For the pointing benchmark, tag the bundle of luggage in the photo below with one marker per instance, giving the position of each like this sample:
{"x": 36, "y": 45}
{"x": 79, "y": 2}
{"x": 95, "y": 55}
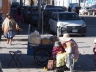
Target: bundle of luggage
{"x": 36, "y": 38}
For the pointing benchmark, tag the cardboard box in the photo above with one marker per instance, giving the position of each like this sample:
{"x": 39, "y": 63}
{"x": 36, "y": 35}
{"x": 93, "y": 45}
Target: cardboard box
{"x": 45, "y": 41}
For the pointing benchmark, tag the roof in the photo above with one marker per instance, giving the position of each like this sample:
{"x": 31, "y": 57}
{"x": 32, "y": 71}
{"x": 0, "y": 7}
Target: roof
{"x": 52, "y": 8}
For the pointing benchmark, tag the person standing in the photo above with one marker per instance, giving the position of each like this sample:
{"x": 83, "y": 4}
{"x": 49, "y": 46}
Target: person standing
{"x": 69, "y": 9}
{"x": 19, "y": 17}
{"x": 94, "y": 50}
{"x": 9, "y": 26}
{"x": 1, "y": 16}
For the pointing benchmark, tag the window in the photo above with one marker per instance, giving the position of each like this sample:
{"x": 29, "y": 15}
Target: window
{"x": 68, "y": 16}
{"x": 54, "y": 17}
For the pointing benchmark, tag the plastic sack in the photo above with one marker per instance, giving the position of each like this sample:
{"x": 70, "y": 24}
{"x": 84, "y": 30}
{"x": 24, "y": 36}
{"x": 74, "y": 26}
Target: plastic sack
{"x": 35, "y": 38}
{"x": 36, "y": 32}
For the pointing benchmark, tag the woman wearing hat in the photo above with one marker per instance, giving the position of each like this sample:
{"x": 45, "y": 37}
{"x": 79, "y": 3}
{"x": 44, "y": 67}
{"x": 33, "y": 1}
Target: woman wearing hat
{"x": 71, "y": 49}
{"x": 9, "y": 26}
{"x": 56, "y": 49}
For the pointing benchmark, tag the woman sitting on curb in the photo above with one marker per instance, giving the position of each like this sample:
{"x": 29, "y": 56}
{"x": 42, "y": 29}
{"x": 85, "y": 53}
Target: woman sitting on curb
{"x": 57, "y": 49}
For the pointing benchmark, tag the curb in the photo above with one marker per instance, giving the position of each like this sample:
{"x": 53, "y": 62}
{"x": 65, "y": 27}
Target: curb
{"x": 15, "y": 40}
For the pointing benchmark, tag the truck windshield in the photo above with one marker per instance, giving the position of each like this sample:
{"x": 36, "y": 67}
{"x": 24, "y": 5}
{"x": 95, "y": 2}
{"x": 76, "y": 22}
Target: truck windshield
{"x": 68, "y": 16}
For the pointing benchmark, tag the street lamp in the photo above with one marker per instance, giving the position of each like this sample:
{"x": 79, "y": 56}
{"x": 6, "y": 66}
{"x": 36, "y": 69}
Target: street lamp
{"x": 42, "y": 15}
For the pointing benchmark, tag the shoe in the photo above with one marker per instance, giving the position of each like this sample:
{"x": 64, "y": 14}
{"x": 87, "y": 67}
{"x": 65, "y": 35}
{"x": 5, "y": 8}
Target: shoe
{"x": 7, "y": 42}
{"x": 10, "y": 43}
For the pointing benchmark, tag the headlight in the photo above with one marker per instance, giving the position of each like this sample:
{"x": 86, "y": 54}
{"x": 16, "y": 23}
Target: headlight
{"x": 62, "y": 25}
{"x": 84, "y": 25}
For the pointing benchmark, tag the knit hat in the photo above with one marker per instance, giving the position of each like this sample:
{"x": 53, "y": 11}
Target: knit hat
{"x": 57, "y": 43}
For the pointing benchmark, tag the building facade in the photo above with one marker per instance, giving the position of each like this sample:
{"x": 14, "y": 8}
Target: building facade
{"x": 65, "y": 3}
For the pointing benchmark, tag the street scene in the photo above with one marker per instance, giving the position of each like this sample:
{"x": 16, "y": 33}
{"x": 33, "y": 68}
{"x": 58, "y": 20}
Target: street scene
{"x": 19, "y": 55}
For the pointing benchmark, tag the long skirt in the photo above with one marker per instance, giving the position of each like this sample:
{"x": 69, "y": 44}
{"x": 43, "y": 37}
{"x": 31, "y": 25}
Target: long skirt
{"x": 10, "y": 34}
{"x": 95, "y": 60}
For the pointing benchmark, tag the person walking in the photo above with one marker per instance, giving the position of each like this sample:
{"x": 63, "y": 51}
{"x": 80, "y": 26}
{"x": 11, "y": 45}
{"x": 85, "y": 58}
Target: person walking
{"x": 9, "y": 26}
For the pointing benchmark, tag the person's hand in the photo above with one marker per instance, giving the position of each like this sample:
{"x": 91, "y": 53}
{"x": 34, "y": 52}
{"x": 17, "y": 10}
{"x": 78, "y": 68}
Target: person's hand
{"x": 20, "y": 29}
{"x": 59, "y": 52}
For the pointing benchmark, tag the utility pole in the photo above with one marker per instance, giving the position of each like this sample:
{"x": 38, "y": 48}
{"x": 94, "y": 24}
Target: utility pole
{"x": 31, "y": 15}
{"x": 50, "y": 2}
{"x": 39, "y": 16}
{"x": 21, "y": 4}
{"x": 79, "y": 2}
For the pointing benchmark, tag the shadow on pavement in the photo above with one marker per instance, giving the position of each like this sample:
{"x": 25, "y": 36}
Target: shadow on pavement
{"x": 26, "y": 61}
{"x": 85, "y": 62}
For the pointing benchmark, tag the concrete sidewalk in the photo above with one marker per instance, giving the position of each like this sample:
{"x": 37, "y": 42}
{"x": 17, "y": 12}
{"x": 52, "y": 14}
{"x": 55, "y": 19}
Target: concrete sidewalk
{"x": 85, "y": 63}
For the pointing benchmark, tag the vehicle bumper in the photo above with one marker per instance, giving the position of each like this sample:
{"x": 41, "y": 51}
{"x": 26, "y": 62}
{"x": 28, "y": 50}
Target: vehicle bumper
{"x": 78, "y": 30}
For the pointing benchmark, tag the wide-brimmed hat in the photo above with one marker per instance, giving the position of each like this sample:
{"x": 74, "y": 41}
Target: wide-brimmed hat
{"x": 95, "y": 41}
{"x": 66, "y": 37}
{"x": 57, "y": 43}
{"x": 9, "y": 13}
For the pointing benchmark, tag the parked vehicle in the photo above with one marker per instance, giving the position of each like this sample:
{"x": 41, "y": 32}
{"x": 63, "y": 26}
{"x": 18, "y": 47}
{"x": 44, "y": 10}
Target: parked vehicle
{"x": 67, "y": 22}
{"x": 83, "y": 11}
{"x": 48, "y": 13}
{"x": 92, "y": 10}
{"x": 35, "y": 15}
{"x": 14, "y": 6}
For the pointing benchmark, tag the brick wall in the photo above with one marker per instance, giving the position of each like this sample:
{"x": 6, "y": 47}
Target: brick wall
{"x": 5, "y": 6}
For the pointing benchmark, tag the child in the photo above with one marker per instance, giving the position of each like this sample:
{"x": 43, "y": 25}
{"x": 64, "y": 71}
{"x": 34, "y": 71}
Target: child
{"x": 56, "y": 49}
{"x": 94, "y": 50}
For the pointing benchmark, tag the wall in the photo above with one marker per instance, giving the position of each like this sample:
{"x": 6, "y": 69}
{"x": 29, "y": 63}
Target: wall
{"x": 61, "y": 3}
{"x": 5, "y": 6}
{"x": 0, "y": 4}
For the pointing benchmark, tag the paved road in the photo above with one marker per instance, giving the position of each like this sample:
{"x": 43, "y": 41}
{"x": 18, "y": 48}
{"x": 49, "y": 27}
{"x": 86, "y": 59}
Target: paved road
{"x": 91, "y": 25}
{"x": 84, "y": 64}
